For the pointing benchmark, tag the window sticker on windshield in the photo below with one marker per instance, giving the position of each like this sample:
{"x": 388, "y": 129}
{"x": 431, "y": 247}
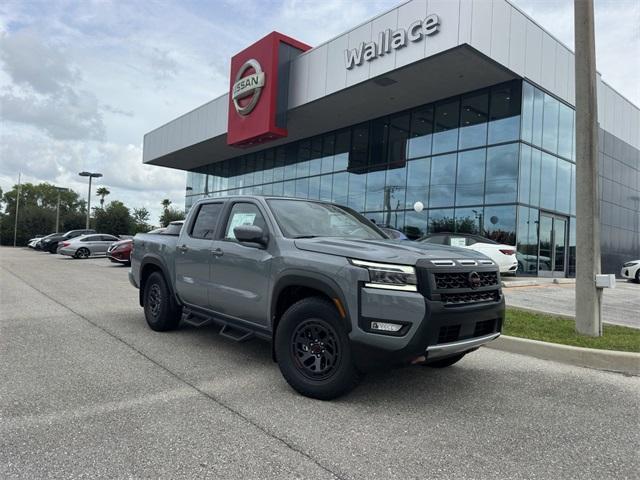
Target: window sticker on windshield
{"x": 239, "y": 219}
{"x": 457, "y": 241}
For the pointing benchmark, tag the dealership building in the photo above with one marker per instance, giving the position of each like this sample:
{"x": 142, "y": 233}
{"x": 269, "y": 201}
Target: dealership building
{"x": 463, "y": 106}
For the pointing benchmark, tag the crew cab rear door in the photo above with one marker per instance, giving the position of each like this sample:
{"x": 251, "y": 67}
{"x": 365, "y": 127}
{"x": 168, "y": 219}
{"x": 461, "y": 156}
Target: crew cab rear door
{"x": 193, "y": 254}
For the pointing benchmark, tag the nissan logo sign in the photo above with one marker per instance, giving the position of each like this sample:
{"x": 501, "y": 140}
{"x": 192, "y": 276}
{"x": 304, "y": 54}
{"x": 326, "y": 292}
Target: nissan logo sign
{"x": 474, "y": 280}
{"x": 249, "y": 86}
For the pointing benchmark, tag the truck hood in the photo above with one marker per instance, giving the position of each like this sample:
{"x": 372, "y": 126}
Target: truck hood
{"x": 385, "y": 251}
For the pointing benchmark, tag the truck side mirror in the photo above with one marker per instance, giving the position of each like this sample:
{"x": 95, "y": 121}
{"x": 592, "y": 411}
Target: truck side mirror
{"x": 250, "y": 233}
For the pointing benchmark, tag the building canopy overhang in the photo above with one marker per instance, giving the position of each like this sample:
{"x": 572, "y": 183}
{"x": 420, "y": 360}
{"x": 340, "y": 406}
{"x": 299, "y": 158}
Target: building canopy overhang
{"x": 458, "y": 70}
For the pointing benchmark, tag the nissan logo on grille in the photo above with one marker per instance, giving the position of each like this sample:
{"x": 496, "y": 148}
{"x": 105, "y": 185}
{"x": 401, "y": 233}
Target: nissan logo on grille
{"x": 474, "y": 280}
{"x": 249, "y": 86}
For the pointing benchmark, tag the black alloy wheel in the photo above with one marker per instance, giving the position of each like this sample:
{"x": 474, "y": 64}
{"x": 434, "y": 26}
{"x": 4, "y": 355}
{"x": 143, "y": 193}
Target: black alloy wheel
{"x": 313, "y": 349}
{"x": 154, "y": 299}
{"x": 161, "y": 311}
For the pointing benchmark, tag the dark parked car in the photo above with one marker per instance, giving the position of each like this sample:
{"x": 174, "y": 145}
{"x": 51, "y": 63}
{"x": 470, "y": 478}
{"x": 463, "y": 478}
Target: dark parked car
{"x": 332, "y": 293}
{"x": 38, "y": 244}
{"x": 120, "y": 252}
{"x": 50, "y": 244}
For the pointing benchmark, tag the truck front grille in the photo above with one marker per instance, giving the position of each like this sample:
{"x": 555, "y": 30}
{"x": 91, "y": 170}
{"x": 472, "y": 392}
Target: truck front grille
{"x": 449, "y": 333}
{"x": 470, "y": 297}
{"x": 460, "y": 280}
{"x": 484, "y": 327}
{"x": 453, "y": 333}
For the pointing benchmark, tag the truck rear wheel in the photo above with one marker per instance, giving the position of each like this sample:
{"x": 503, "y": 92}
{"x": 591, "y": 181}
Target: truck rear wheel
{"x": 313, "y": 350}
{"x": 160, "y": 309}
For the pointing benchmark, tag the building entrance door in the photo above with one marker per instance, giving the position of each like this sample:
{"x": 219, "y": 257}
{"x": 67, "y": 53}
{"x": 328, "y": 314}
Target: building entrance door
{"x": 552, "y": 245}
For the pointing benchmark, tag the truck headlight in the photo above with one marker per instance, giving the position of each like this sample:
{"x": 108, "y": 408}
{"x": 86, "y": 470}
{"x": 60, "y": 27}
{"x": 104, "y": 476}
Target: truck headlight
{"x": 389, "y": 276}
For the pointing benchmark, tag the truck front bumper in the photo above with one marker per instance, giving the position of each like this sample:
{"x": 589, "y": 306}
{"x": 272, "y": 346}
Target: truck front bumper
{"x": 453, "y": 348}
{"x": 431, "y": 328}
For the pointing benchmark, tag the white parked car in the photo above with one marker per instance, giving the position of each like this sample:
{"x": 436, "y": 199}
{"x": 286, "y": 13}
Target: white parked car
{"x": 86, "y": 246}
{"x": 503, "y": 255}
{"x": 631, "y": 270}
{"x": 32, "y": 241}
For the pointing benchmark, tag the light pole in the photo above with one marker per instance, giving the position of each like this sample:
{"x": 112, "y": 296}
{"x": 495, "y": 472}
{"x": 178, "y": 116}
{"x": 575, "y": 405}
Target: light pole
{"x": 60, "y": 190}
{"x": 588, "y": 296}
{"x": 15, "y": 225}
{"x": 91, "y": 175}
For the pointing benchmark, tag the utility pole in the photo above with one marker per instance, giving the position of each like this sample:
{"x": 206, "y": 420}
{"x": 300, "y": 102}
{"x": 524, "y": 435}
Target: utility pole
{"x": 588, "y": 297}
{"x": 15, "y": 225}
{"x": 91, "y": 176}
{"x": 60, "y": 190}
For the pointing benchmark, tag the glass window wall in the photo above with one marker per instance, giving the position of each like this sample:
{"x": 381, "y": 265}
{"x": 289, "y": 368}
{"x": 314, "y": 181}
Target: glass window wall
{"x": 504, "y": 120}
{"x": 502, "y": 174}
{"x": 473, "y": 120}
{"x": 470, "y": 177}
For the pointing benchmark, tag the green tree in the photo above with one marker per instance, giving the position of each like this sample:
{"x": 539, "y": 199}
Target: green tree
{"x": 114, "y": 219}
{"x": 166, "y": 203}
{"x": 37, "y": 213}
{"x": 141, "y": 219}
{"x": 444, "y": 224}
{"x": 102, "y": 192}
{"x": 171, "y": 215}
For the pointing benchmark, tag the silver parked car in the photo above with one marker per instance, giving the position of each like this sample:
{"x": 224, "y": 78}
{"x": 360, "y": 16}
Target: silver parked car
{"x": 86, "y": 246}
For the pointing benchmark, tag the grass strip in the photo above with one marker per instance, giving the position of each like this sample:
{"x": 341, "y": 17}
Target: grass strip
{"x": 549, "y": 328}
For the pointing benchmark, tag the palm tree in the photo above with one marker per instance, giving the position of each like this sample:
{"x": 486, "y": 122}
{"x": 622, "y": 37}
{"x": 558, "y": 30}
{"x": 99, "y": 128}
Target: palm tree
{"x": 165, "y": 204}
{"x": 102, "y": 192}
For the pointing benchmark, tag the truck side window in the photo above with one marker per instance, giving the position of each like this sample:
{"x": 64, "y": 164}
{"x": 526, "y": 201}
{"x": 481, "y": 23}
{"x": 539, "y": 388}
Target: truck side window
{"x": 244, "y": 214}
{"x": 206, "y": 221}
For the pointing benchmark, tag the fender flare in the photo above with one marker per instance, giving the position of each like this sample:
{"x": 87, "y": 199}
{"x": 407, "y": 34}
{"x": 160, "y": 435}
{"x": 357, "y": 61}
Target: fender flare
{"x": 301, "y": 278}
{"x": 157, "y": 261}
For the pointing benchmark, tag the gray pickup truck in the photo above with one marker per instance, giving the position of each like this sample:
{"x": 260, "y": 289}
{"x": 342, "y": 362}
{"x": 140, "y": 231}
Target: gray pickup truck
{"x": 334, "y": 295}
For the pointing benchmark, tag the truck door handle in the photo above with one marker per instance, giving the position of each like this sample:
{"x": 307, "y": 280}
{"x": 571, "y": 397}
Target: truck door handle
{"x": 183, "y": 248}
{"x": 217, "y": 252}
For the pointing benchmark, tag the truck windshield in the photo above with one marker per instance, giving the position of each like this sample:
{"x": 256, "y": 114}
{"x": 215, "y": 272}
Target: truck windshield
{"x": 301, "y": 219}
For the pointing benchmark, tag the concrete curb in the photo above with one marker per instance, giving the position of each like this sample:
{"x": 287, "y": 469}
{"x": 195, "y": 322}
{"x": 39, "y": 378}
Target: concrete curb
{"x": 610, "y": 360}
{"x": 520, "y": 283}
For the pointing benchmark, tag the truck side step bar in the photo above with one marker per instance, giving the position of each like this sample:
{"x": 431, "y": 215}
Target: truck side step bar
{"x": 234, "y": 333}
{"x": 194, "y": 319}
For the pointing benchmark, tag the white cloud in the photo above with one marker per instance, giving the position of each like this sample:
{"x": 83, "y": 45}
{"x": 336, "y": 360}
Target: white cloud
{"x": 82, "y": 82}
{"x": 617, "y": 33}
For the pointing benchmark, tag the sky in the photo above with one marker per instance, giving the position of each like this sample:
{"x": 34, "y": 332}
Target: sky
{"x": 81, "y": 82}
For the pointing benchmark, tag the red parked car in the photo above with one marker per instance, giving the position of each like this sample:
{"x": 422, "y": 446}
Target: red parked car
{"x": 120, "y": 252}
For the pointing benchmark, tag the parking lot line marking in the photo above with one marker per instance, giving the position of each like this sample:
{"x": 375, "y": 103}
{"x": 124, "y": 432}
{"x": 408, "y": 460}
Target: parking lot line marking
{"x": 22, "y": 421}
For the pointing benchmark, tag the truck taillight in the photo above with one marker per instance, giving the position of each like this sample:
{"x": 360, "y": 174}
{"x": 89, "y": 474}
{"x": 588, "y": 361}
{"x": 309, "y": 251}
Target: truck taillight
{"x": 507, "y": 252}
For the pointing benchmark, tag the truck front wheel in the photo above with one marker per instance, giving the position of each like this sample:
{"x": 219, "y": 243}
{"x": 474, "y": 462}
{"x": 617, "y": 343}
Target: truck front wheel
{"x": 313, "y": 350}
{"x": 160, "y": 309}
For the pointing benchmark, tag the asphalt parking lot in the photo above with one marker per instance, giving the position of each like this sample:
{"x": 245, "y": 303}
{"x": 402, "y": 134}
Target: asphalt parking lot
{"x": 88, "y": 390}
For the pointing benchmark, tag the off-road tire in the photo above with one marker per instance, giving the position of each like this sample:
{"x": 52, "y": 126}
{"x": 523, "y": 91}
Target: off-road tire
{"x": 160, "y": 308}
{"x": 332, "y": 347}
